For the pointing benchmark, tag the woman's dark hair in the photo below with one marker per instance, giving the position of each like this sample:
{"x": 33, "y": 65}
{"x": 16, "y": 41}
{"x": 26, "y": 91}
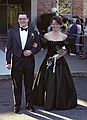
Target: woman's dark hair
{"x": 57, "y": 19}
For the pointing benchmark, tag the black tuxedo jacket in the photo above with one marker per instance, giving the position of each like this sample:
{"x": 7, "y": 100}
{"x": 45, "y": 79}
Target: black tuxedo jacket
{"x": 14, "y": 46}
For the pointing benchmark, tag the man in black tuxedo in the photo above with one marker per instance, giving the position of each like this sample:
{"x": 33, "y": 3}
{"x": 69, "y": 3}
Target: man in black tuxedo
{"x": 23, "y": 43}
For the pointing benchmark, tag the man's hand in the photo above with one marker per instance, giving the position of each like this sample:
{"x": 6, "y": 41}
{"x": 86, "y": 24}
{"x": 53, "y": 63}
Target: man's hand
{"x": 9, "y": 66}
{"x": 35, "y": 45}
{"x": 27, "y": 53}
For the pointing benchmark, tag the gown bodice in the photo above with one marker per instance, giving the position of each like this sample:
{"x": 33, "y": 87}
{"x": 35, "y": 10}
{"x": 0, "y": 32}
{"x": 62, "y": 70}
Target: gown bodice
{"x": 54, "y": 47}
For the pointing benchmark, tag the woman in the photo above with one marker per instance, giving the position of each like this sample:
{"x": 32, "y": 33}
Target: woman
{"x": 54, "y": 87}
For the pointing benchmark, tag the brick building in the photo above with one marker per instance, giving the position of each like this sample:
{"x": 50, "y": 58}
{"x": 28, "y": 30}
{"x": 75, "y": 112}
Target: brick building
{"x": 78, "y": 7}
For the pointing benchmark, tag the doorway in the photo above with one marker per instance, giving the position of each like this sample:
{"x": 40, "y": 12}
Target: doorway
{"x": 8, "y": 12}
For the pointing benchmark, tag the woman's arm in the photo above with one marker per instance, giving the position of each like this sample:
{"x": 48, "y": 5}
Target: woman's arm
{"x": 60, "y": 54}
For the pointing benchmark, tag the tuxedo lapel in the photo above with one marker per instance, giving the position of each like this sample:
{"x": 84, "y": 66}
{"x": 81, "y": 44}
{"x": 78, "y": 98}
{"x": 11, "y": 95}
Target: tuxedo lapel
{"x": 18, "y": 38}
{"x": 17, "y": 34}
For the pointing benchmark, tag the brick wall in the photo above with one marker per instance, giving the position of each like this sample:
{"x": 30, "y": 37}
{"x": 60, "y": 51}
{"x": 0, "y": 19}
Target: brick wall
{"x": 85, "y": 8}
{"x": 44, "y": 6}
{"x": 77, "y": 8}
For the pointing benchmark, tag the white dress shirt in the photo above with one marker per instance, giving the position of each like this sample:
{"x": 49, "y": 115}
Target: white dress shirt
{"x": 23, "y": 35}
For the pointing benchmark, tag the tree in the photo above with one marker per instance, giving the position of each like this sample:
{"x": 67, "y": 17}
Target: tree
{"x": 65, "y": 6}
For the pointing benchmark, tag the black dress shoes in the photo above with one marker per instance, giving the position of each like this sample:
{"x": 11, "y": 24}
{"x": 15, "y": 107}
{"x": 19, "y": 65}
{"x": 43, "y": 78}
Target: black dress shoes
{"x": 83, "y": 57}
{"x": 31, "y": 109}
{"x": 16, "y": 109}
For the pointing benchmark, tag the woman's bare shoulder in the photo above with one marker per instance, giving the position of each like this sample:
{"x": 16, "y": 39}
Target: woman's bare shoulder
{"x": 47, "y": 34}
{"x": 64, "y": 36}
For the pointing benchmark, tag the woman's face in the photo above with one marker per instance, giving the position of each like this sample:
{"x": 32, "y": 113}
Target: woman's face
{"x": 55, "y": 26}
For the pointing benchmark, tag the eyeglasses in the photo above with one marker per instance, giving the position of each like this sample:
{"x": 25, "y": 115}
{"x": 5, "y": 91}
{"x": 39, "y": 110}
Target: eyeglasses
{"x": 22, "y": 18}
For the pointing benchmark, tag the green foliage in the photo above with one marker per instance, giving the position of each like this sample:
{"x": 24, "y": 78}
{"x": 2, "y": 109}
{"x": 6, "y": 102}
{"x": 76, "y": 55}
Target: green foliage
{"x": 65, "y": 6}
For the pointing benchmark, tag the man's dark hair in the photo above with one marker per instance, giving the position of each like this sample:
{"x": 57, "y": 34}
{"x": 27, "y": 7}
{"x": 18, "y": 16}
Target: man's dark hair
{"x": 25, "y": 13}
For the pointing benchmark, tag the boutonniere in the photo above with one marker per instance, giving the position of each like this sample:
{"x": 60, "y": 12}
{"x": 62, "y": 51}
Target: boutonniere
{"x": 33, "y": 36}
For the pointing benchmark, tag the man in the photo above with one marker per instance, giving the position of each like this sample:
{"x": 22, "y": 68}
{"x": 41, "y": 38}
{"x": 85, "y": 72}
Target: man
{"x": 73, "y": 32}
{"x": 23, "y": 44}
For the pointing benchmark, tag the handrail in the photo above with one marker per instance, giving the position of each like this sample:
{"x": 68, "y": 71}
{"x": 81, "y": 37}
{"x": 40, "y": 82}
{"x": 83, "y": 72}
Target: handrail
{"x": 78, "y": 35}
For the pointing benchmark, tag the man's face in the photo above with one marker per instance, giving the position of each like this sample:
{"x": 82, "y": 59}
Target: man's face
{"x": 23, "y": 20}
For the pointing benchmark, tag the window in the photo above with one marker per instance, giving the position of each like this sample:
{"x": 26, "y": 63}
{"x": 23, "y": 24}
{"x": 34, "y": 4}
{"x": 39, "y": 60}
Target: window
{"x": 8, "y": 14}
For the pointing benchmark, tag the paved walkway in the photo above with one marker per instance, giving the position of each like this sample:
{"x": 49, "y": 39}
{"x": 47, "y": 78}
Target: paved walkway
{"x": 78, "y": 113}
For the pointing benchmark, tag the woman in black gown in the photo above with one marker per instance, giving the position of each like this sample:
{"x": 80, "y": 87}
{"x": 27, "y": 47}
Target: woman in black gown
{"x": 53, "y": 87}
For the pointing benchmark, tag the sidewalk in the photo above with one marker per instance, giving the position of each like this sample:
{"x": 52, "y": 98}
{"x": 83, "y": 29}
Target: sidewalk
{"x": 78, "y": 67}
{"x": 78, "y": 113}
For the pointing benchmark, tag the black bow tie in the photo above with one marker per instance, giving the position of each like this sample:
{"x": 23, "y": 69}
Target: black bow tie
{"x": 24, "y": 29}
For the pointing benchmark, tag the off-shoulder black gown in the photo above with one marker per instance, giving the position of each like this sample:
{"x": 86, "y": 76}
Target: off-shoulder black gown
{"x": 54, "y": 90}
